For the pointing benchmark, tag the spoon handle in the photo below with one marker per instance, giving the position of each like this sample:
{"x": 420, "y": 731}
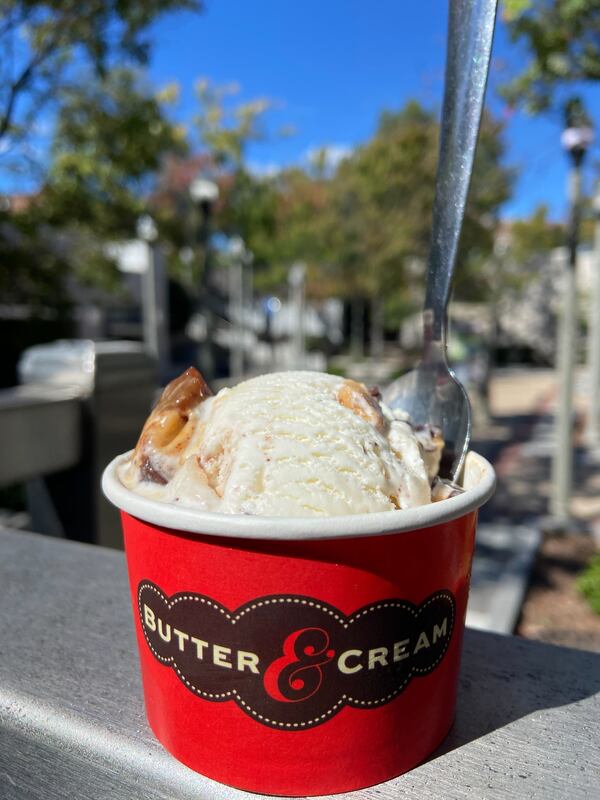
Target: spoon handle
{"x": 470, "y": 34}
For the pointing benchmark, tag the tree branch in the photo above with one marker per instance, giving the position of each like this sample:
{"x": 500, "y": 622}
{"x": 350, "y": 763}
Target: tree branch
{"x": 20, "y": 84}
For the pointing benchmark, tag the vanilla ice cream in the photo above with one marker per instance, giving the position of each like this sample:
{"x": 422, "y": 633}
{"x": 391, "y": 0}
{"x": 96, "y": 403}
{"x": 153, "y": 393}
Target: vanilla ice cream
{"x": 284, "y": 444}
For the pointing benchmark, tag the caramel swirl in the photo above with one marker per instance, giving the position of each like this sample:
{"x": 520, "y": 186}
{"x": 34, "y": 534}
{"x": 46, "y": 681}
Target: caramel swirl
{"x": 169, "y": 427}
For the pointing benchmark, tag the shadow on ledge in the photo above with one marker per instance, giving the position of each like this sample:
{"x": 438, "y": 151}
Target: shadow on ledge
{"x": 506, "y": 678}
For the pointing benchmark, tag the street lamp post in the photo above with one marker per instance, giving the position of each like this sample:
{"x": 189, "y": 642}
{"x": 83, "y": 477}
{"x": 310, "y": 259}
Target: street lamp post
{"x": 204, "y": 194}
{"x": 296, "y": 281}
{"x": 594, "y": 333}
{"x": 576, "y": 138}
{"x": 155, "y": 300}
{"x": 239, "y": 258}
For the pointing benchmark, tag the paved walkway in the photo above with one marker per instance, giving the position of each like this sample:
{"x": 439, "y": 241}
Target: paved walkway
{"x": 518, "y": 439}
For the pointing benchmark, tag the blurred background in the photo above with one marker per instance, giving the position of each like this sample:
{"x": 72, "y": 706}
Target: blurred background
{"x": 248, "y": 187}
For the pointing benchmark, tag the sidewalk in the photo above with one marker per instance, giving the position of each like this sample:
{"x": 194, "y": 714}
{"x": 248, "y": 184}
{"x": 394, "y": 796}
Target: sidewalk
{"x": 518, "y": 440}
{"x": 520, "y": 443}
{"x": 508, "y": 535}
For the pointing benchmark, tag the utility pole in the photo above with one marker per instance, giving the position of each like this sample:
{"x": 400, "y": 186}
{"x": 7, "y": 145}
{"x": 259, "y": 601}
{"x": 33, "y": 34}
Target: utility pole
{"x": 576, "y": 138}
{"x": 594, "y": 333}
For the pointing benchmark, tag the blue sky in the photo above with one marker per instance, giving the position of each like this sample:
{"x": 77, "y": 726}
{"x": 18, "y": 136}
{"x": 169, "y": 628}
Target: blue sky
{"x": 333, "y": 65}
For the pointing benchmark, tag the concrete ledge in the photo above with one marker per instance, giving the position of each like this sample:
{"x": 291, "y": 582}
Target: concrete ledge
{"x": 40, "y": 428}
{"x": 72, "y": 723}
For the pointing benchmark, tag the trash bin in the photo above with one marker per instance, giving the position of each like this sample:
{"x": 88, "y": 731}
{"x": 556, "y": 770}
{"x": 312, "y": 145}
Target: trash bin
{"x": 116, "y": 383}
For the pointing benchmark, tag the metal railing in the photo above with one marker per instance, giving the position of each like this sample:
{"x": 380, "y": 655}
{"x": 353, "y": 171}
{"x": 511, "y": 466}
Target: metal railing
{"x": 57, "y": 438}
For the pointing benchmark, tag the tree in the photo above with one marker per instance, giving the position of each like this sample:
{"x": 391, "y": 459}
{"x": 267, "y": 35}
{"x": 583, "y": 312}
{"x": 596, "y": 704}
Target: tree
{"x": 491, "y": 186}
{"x": 248, "y": 206}
{"x": 225, "y": 128}
{"x": 222, "y": 130}
{"x": 34, "y": 264}
{"x": 534, "y": 236}
{"x": 521, "y": 253}
{"x": 248, "y": 209}
{"x": 46, "y": 45}
{"x": 381, "y": 203}
{"x": 563, "y": 41}
{"x": 523, "y": 277}
{"x": 300, "y": 231}
{"x": 363, "y": 228}
{"x": 107, "y": 134}
{"x": 109, "y": 140}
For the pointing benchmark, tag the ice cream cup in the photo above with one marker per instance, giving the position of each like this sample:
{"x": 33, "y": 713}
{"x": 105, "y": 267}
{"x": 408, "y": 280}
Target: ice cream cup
{"x": 300, "y": 656}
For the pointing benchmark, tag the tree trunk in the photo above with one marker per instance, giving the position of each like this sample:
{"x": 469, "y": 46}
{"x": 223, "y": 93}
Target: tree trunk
{"x": 376, "y": 328}
{"x": 357, "y": 328}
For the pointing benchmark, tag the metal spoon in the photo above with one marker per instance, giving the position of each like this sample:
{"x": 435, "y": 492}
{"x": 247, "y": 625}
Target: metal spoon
{"x": 431, "y": 393}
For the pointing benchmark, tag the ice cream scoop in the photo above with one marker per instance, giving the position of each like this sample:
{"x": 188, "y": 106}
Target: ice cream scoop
{"x": 283, "y": 444}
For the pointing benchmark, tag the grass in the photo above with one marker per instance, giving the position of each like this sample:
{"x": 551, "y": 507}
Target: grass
{"x": 334, "y": 369}
{"x": 398, "y": 373}
{"x": 588, "y": 583}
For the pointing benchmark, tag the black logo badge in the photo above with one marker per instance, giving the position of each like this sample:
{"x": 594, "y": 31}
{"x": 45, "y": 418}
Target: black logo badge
{"x": 291, "y": 661}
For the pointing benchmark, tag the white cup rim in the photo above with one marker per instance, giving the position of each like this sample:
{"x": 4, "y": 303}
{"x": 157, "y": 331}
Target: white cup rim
{"x": 479, "y": 482}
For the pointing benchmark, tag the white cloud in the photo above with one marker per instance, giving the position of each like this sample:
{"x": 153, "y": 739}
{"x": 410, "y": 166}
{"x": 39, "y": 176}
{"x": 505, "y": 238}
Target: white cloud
{"x": 268, "y": 169}
{"x": 334, "y": 154}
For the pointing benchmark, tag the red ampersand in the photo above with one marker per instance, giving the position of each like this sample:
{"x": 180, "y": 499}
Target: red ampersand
{"x": 298, "y": 674}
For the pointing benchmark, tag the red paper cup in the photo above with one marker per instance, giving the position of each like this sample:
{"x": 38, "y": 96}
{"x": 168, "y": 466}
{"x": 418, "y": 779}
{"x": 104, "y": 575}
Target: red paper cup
{"x": 300, "y": 656}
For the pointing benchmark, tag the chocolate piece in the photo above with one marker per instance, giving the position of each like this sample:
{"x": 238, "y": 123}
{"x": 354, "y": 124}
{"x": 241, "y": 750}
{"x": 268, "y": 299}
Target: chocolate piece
{"x": 150, "y": 473}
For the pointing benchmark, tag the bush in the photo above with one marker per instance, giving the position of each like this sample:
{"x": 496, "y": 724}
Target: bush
{"x": 335, "y": 369}
{"x": 588, "y": 583}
